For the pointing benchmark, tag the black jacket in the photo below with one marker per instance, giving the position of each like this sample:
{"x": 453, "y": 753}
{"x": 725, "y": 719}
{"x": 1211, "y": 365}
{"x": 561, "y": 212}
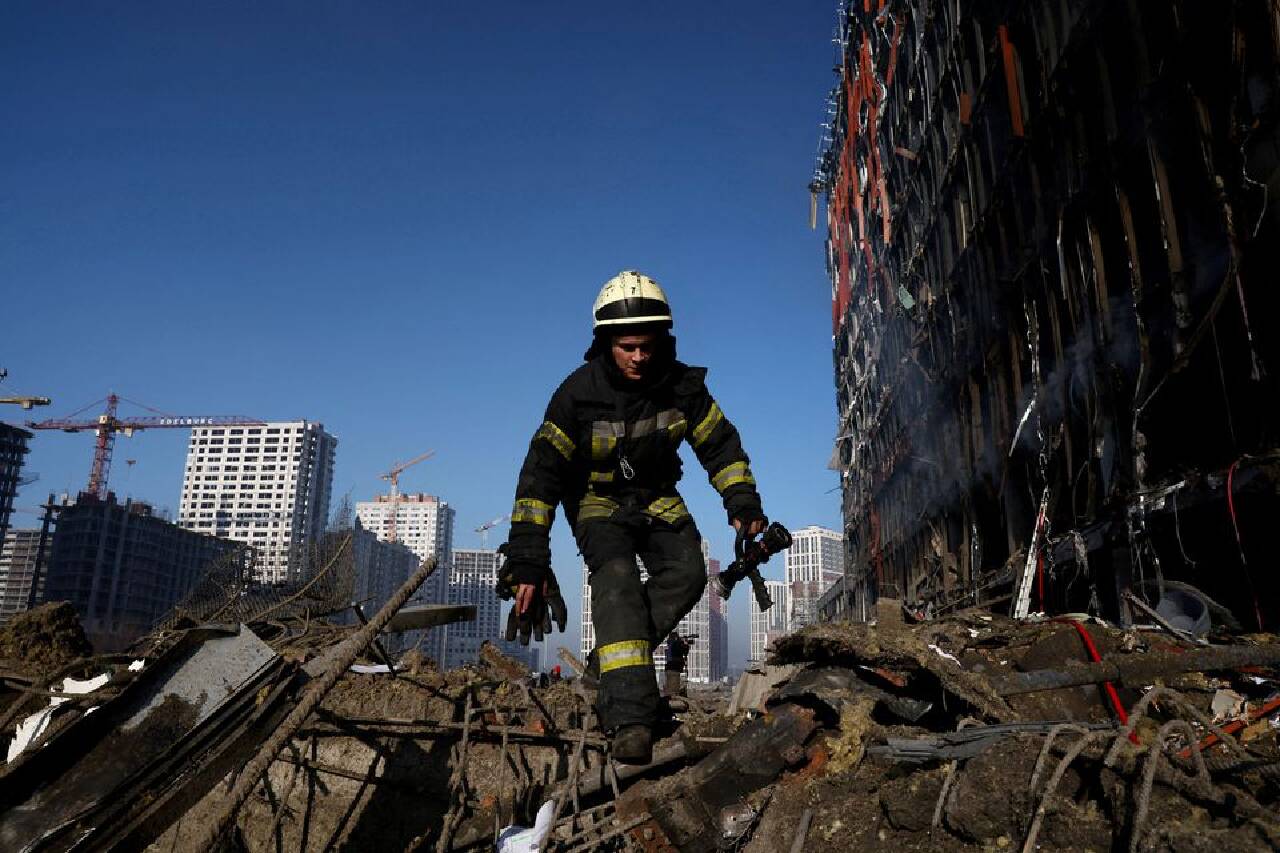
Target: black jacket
{"x": 595, "y": 420}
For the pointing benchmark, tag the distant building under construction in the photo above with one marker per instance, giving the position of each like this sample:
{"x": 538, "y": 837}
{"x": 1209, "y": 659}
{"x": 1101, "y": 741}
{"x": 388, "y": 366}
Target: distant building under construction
{"x": 123, "y": 568}
{"x": 1052, "y": 236}
{"x": 13, "y": 451}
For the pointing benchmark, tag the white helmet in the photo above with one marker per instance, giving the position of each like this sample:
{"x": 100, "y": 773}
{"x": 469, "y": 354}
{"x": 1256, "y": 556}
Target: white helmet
{"x": 631, "y": 299}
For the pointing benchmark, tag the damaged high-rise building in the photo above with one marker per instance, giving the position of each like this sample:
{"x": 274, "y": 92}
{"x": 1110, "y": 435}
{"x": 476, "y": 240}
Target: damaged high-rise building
{"x": 1052, "y": 236}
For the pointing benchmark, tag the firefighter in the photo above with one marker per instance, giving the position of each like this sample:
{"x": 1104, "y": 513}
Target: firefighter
{"x": 607, "y": 453}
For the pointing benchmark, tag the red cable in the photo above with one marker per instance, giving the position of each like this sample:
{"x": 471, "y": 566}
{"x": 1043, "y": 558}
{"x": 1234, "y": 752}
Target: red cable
{"x": 1121, "y": 714}
{"x": 1235, "y": 526}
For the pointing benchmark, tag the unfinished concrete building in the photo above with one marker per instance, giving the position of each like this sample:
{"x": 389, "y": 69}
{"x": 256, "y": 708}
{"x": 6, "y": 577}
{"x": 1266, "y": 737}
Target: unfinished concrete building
{"x": 13, "y": 451}
{"x": 122, "y": 568}
{"x": 1052, "y": 236}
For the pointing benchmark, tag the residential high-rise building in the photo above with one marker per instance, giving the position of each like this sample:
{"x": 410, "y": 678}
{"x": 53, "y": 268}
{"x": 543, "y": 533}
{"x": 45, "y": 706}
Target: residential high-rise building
{"x": 19, "y": 552}
{"x": 814, "y": 562}
{"x": 123, "y": 568}
{"x": 423, "y": 523}
{"x": 768, "y": 625}
{"x": 697, "y": 621}
{"x": 268, "y": 486}
{"x": 474, "y": 581}
{"x": 380, "y": 567}
{"x": 718, "y": 644}
{"x": 13, "y": 449}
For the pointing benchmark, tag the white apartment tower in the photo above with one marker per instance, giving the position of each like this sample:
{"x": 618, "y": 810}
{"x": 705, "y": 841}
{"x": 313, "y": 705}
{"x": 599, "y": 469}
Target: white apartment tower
{"x": 267, "y": 485}
{"x": 19, "y": 552}
{"x": 697, "y": 621}
{"x": 768, "y": 625}
{"x": 425, "y": 524}
{"x": 815, "y": 561}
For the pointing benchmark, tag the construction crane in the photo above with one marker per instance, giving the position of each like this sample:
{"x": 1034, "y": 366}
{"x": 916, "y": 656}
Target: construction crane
{"x": 393, "y": 477}
{"x": 484, "y": 529}
{"x": 25, "y": 402}
{"x": 108, "y": 424}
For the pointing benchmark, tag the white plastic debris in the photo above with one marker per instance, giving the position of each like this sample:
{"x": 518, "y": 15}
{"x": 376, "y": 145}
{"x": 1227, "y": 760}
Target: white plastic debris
{"x": 373, "y": 668}
{"x": 78, "y": 687}
{"x": 946, "y": 655}
{"x": 519, "y": 839}
{"x": 1227, "y": 705}
{"x": 35, "y": 725}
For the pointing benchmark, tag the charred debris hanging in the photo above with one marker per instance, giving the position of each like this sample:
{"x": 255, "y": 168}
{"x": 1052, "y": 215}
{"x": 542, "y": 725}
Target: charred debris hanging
{"x": 1052, "y": 241}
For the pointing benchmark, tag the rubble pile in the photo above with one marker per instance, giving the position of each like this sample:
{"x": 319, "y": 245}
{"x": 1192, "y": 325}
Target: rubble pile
{"x": 49, "y": 635}
{"x": 1063, "y": 768}
{"x": 974, "y": 732}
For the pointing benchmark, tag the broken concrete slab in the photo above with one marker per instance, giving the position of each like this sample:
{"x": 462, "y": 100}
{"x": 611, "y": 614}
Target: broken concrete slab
{"x": 100, "y": 775}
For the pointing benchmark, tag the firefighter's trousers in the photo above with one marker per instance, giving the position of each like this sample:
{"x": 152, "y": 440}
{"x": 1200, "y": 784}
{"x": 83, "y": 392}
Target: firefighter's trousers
{"x": 631, "y": 618}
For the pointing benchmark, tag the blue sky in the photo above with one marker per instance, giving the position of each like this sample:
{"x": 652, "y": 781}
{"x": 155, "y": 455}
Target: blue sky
{"x": 393, "y": 218}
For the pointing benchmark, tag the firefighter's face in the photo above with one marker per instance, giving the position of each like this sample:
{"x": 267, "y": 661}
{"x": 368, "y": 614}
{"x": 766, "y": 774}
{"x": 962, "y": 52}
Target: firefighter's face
{"x": 633, "y": 354}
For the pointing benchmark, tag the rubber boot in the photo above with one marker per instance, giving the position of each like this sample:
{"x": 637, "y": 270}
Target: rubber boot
{"x": 633, "y": 744}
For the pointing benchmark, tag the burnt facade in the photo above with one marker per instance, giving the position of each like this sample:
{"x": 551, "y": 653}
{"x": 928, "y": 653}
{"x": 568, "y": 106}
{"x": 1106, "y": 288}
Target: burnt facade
{"x": 1052, "y": 237}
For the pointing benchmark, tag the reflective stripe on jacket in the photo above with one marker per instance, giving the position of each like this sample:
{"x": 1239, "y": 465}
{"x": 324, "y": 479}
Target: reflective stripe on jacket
{"x": 593, "y": 421}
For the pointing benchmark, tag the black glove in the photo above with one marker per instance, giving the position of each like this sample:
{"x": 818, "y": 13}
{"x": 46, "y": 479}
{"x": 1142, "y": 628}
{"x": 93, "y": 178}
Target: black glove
{"x": 555, "y": 602}
{"x": 547, "y": 604}
{"x": 535, "y": 621}
{"x": 521, "y": 567}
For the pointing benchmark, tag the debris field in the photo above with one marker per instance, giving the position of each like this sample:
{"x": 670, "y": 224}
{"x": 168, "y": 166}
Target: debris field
{"x": 965, "y": 733}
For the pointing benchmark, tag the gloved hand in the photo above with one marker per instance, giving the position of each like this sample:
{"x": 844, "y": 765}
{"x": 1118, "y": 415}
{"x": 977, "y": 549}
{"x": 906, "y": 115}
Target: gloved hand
{"x": 749, "y": 522}
{"x": 520, "y": 568}
{"x": 534, "y": 609}
{"x": 555, "y": 602}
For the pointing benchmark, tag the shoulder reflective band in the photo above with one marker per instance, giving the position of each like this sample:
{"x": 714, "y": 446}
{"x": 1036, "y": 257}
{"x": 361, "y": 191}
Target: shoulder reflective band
{"x": 600, "y": 477}
{"x": 528, "y": 509}
{"x": 594, "y": 506}
{"x": 626, "y": 653}
{"x": 732, "y": 475}
{"x": 670, "y": 509}
{"x": 709, "y": 423}
{"x": 557, "y": 438}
